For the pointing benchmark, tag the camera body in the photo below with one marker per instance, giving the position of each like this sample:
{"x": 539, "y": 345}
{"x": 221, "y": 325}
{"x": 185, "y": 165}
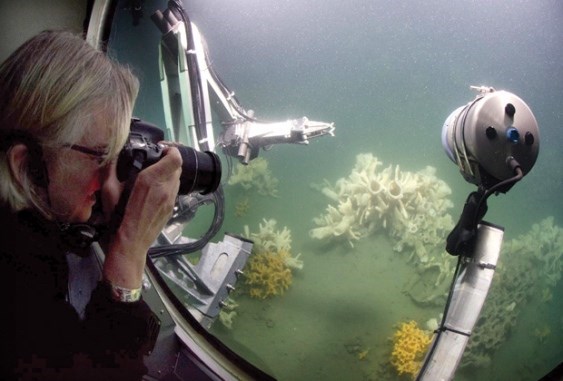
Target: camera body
{"x": 201, "y": 171}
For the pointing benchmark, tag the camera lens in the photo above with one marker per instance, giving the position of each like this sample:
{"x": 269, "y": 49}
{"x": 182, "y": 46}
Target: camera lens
{"x": 201, "y": 171}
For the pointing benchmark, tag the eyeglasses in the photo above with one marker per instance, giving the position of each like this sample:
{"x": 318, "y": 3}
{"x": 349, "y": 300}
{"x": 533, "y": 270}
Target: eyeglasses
{"x": 97, "y": 154}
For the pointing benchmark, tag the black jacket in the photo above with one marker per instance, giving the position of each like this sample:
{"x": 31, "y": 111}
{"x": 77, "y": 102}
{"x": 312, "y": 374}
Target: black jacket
{"x": 41, "y": 334}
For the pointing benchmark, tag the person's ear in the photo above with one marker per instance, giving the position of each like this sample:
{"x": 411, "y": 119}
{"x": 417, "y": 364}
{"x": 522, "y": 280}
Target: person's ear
{"x": 18, "y": 161}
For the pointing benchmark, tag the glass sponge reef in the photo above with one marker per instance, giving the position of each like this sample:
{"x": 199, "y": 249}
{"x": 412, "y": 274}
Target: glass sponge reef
{"x": 256, "y": 175}
{"x": 530, "y": 268}
{"x": 269, "y": 269}
{"x": 411, "y": 207}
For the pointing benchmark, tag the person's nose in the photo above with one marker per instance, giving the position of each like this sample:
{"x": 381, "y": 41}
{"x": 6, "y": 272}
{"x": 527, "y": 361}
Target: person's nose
{"x": 110, "y": 188}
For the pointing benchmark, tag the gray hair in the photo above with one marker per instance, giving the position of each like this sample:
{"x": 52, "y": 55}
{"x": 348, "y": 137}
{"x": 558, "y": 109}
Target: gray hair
{"x": 51, "y": 90}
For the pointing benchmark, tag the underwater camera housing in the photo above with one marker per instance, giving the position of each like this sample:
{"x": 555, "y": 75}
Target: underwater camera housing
{"x": 484, "y": 135}
{"x": 201, "y": 171}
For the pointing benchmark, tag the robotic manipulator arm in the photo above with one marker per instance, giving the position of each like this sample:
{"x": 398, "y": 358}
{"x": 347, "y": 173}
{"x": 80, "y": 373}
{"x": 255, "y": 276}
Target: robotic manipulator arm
{"x": 494, "y": 140}
{"x": 190, "y": 88}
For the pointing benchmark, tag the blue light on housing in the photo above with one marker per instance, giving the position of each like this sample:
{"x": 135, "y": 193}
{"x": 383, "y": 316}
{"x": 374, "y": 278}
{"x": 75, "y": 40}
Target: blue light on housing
{"x": 512, "y": 135}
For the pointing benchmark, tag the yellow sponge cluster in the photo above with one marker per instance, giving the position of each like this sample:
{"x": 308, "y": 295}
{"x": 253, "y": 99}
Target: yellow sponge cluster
{"x": 267, "y": 274}
{"x": 409, "y": 346}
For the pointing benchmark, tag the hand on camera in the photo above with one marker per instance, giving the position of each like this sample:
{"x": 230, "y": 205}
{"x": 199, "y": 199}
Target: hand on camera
{"x": 149, "y": 208}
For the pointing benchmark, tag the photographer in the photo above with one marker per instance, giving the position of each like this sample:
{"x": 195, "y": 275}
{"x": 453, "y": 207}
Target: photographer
{"x": 65, "y": 112}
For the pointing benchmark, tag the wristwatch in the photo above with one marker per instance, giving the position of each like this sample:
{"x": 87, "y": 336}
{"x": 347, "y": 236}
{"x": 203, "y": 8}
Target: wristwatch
{"x": 125, "y": 295}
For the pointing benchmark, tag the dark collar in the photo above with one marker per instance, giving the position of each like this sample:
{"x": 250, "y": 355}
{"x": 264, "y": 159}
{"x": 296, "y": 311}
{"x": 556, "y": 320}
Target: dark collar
{"x": 27, "y": 231}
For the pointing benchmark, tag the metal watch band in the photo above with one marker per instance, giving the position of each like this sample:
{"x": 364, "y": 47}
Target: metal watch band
{"x": 125, "y": 295}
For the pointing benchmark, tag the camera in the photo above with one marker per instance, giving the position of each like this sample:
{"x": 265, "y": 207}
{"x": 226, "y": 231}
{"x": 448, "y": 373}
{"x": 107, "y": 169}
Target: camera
{"x": 201, "y": 171}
